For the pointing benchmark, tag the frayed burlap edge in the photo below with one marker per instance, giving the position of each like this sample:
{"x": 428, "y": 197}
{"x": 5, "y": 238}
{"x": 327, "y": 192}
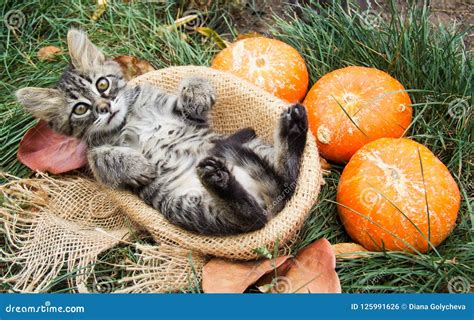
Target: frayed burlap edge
{"x": 51, "y": 224}
{"x": 46, "y": 233}
{"x": 181, "y": 268}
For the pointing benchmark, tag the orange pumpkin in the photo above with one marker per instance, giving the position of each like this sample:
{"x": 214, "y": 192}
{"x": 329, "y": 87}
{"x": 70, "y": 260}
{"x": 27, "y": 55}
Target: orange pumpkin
{"x": 268, "y": 63}
{"x": 350, "y": 107}
{"x": 389, "y": 191}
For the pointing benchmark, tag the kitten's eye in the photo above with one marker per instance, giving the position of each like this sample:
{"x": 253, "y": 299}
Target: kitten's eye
{"x": 81, "y": 109}
{"x": 102, "y": 84}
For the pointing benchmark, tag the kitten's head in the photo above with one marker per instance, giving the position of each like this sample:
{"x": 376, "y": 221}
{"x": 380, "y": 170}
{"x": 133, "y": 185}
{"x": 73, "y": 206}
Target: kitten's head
{"x": 89, "y": 98}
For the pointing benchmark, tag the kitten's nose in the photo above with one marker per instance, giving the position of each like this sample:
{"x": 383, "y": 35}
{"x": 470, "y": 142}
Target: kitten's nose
{"x": 103, "y": 107}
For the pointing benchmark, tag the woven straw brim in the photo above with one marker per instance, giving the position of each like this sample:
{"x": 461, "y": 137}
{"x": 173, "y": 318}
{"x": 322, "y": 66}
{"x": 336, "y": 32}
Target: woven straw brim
{"x": 239, "y": 104}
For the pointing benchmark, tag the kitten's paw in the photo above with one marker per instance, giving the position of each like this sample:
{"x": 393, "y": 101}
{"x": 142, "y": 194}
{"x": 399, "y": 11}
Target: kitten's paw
{"x": 140, "y": 171}
{"x": 294, "y": 122}
{"x": 120, "y": 166}
{"x": 197, "y": 96}
{"x": 213, "y": 172}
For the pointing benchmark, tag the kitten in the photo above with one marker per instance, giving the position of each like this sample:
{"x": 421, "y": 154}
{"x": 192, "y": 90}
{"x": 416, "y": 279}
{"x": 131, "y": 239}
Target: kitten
{"x": 161, "y": 147}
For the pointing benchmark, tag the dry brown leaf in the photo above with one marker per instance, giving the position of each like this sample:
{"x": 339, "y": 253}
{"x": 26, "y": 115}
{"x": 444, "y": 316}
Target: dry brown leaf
{"x": 349, "y": 250}
{"x": 43, "y": 149}
{"x": 313, "y": 271}
{"x": 223, "y": 276}
{"x": 144, "y": 66}
{"x": 133, "y": 67}
{"x": 324, "y": 164}
{"x": 48, "y": 53}
{"x": 273, "y": 282}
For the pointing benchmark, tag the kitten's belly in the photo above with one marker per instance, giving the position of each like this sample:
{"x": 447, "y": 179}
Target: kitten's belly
{"x": 176, "y": 150}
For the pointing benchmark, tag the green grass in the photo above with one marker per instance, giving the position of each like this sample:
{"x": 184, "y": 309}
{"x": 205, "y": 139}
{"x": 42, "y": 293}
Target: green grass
{"x": 436, "y": 69}
{"x": 430, "y": 61}
{"x": 138, "y": 29}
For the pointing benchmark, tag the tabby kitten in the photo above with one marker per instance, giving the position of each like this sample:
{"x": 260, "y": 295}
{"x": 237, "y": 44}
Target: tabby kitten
{"x": 161, "y": 147}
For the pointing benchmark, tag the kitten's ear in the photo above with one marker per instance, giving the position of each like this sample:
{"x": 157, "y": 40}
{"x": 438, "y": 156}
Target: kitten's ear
{"x": 84, "y": 55}
{"x": 42, "y": 103}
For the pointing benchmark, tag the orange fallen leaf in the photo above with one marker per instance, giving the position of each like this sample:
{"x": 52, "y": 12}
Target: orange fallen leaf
{"x": 42, "y": 149}
{"x": 133, "y": 67}
{"x": 223, "y": 276}
{"x": 349, "y": 250}
{"x": 313, "y": 270}
{"x": 48, "y": 53}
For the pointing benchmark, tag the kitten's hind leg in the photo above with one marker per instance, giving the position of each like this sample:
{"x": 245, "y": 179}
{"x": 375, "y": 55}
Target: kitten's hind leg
{"x": 240, "y": 137}
{"x": 195, "y": 99}
{"x": 290, "y": 140}
{"x": 217, "y": 179}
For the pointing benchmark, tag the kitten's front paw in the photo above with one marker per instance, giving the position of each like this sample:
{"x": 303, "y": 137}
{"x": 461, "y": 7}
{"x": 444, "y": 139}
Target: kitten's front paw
{"x": 213, "y": 172}
{"x": 140, "y": 171}
{"x": 120, "y": 167}
{"x": 197, "y": 96}
{"x": 294, "y": 122}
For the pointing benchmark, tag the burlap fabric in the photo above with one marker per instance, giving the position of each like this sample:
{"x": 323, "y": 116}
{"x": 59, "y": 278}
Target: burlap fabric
{"x": 50, "y": 224}
{"x": 239, "y": 105}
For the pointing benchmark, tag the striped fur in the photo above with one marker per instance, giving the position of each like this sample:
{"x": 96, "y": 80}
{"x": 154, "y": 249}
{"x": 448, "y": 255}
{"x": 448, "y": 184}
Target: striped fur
{"x": 160, "y": 146}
